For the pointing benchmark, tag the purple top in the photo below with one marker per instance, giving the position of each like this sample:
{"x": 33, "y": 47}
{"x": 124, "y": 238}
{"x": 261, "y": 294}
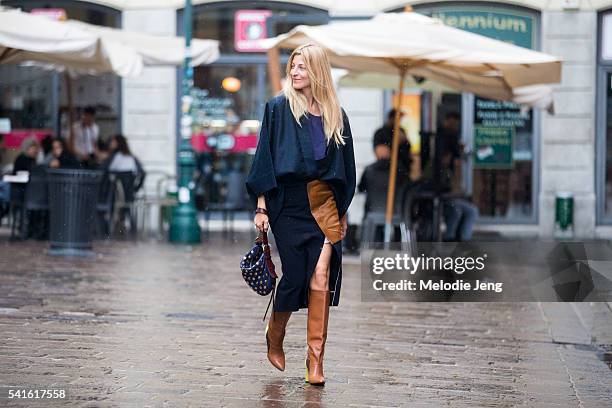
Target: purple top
{"x": 317, "y": 136}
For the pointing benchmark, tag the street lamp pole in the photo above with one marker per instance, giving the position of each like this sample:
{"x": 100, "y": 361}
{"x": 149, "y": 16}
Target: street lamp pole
{"x": 184, "y": 227}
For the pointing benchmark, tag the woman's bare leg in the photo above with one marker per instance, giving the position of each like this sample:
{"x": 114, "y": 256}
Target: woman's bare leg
{"x": 321, "y": 273}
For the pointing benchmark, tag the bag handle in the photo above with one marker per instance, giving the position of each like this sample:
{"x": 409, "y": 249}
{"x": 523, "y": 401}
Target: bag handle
{"x": 262, "y": 238}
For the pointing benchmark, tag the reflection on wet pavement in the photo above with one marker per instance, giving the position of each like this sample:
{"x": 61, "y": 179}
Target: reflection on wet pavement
{"x": 151, "y": 324}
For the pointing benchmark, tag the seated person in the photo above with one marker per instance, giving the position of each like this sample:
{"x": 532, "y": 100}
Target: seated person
{"x": 62, "y": 158}
{"x": 47, "y": 150}
{"x": 375, "y": 182}
{"x": 459, "y": 213}
{"x": 101, "y": 154}
{"x": 25, "y": 161}
{"x": 122, "y": 160}
{"x": 375, "y": 179}
{"x": 384, "y": 135}
{"x": 27, "y": 158}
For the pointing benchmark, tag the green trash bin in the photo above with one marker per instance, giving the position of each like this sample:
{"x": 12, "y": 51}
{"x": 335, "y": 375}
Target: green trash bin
{"x": 564, "y": 214}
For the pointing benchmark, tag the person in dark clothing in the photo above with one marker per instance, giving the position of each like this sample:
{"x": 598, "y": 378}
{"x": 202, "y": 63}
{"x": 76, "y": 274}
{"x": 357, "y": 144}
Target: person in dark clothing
{"x": 302, "y": 182}
{"x": 102, "y": 154}
{"x": 27, "y": 158}
{"x": 122, "y": 159}
{"x": 122, "y": 162}
{"x": 459, "y": 213}
{"x": 375, "y": 180}
{"x": 47, "y": 149}
{"x": 384, "y": 135}
{"x": 62, "y": 158}
{"x": 25, "y": 161}
{"x": 448, "y": 140}
{"x": 375, "y": 183}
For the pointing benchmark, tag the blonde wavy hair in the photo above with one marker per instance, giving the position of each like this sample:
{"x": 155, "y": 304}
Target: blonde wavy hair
{"x": 323, "y": 91}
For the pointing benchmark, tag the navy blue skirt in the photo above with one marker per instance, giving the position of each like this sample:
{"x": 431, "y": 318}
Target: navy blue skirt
{"x": 299, "y": 241}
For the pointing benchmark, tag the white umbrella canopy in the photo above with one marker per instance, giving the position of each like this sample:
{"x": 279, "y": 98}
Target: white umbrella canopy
{"x": 344, "y": 77}
{"x": 535, "y": 96}
{"x": 391, "y": 42}
{"x": 157, "y": 50}
{"x": 81, "y": 48}
{"x": 27, "y": 38}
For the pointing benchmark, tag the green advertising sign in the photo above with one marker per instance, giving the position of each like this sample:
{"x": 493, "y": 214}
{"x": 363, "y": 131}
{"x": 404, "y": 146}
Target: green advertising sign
{"x": 493, "y": 147}
{"x": 507, "y": 26}
{"x": 495, "y": 123}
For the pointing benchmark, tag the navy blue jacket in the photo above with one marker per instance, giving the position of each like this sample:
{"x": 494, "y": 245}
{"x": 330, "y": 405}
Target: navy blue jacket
{"x": 285, "y": 155}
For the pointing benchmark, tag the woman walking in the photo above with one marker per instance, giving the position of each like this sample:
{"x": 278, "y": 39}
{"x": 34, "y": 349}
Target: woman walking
{"x": 302, "y": 181}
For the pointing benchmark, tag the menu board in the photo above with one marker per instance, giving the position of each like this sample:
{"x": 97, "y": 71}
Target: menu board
{"x": 493, "y": 147}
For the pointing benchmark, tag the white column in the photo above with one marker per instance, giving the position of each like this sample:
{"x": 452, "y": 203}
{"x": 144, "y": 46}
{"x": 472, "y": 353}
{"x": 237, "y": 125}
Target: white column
{"x": 568, "y": 137}
{"x": 149, "y": 101}
{"x": 364, "y": 108}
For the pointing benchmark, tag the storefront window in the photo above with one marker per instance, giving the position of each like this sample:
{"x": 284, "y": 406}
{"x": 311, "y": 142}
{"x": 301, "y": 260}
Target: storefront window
{"x": 499, "y": 136}
{"x": 231, "y": 93}
{"x": 227, "y": 114}
{"x": 35, "y": 100}
{"x": 25, "y": 97}
{"x": 604, "y": 121}
{"x": 608, "y": 150}
{"x": 502, "y": 160}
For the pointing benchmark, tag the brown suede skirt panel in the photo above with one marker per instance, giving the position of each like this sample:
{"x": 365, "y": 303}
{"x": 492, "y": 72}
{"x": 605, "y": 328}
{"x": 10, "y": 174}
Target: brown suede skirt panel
{"x": 324, "y": 210}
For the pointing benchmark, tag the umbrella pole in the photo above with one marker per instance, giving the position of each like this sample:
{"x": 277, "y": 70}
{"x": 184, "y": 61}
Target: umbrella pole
{"x": 274, "y": 70}
{"x": 70, "y": 112}
{"x": 394, "y": 151}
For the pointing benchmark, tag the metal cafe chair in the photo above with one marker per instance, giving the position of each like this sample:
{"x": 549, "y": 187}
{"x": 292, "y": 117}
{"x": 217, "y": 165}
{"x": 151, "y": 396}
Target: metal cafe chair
{"x": 104, "y": 206}
{"x": 235, "y": 199}
{"x": 125, "y": 193}
{"x": 24, "y": 199}
{"x": 36, "y": 201}
{"x": 401, "y": 219}
{"x": 148, "y": 199}
{"x": 17, "y": 198}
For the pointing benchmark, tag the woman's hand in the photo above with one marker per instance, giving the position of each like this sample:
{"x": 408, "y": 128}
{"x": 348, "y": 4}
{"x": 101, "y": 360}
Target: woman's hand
{"x": 261, "y": 222}
{"x": 344, "y": 226}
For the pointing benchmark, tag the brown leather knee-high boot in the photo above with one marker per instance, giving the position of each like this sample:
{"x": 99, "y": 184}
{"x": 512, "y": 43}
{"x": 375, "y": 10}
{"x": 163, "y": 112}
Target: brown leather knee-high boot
{"x": 318, "y": 316}
{"x": 275, "y": 334}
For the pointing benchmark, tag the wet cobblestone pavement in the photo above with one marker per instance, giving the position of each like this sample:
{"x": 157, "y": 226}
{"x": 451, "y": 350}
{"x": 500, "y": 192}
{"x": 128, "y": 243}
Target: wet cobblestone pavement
{"x": 150, "y": 324}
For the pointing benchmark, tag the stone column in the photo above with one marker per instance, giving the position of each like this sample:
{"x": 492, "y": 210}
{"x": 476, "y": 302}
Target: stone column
{"x": 568, "y": 137}
{"x": 149, "y": 102}
{"x": 364, "y": 108}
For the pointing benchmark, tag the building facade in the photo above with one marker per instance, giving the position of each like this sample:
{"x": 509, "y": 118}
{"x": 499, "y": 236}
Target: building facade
{"x": 565, "y": 152}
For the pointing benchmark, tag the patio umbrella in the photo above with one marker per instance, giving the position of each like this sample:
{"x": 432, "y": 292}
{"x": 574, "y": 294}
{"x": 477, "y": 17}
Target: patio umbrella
{"x": 27, "y": 38}
{"x": 79, "y": 48}
{"x": 82, "y": 48}
{"x": 536, "y": 96}
{"x": 405, "y": 43}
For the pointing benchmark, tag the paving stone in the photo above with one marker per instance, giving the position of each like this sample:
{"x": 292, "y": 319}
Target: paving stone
{"x": 150, "y": 324}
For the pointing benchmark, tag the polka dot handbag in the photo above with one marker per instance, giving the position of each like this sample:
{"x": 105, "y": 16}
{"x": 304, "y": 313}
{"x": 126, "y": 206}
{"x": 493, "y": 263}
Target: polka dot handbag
{"x": 258, "y": 270}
